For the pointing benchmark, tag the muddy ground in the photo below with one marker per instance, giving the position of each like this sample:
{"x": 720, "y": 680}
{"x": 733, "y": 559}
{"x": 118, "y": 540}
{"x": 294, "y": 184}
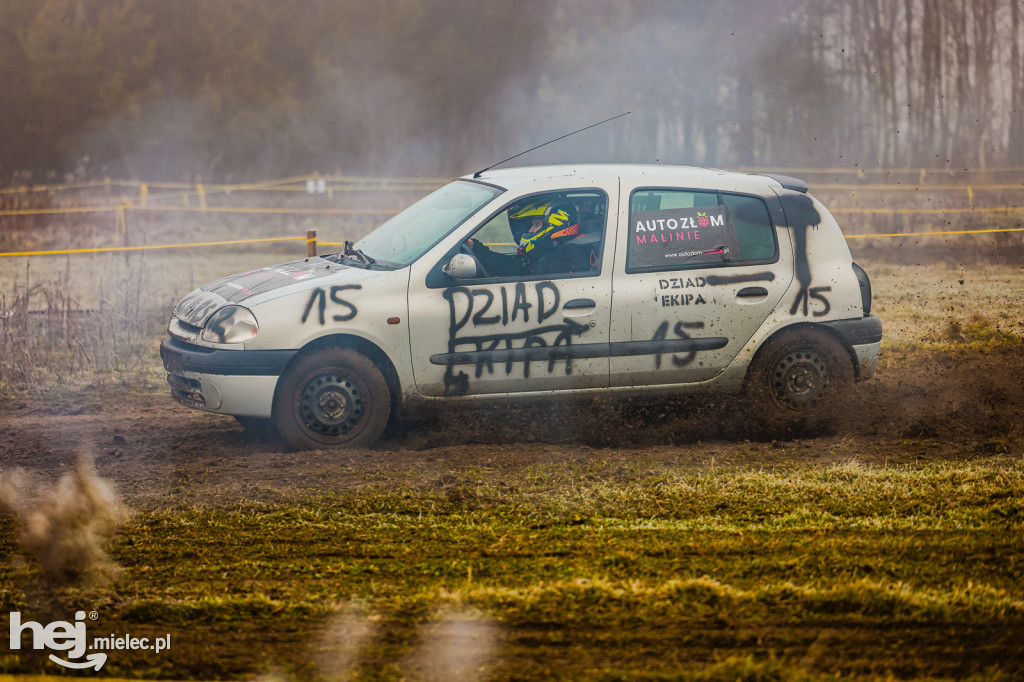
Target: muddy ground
{"x": 923, "y": 405}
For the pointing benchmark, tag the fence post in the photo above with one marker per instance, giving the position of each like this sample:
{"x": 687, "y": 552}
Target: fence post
{"x": 122, "y": 219}
{"x": 121, "y": 225}
{"x": 310, "y": 243}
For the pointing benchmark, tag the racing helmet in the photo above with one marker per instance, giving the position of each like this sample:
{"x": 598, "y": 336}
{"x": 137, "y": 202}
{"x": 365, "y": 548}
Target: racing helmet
{"x": 560, "y": 222}
{"x": 520, "y": 218}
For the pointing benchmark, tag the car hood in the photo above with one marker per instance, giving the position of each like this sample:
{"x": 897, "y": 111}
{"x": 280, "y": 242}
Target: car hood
{"x": 256, "y": 286}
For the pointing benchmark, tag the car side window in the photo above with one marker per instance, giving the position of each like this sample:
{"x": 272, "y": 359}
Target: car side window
{"x": 754, "y": 230}
{"x": 496, "y": 234}
{"x": 554, "y": 234}
{"x": 673, "y": 229}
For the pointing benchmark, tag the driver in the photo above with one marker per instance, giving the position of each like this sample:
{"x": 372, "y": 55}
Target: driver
{"x": 550, "y": 240}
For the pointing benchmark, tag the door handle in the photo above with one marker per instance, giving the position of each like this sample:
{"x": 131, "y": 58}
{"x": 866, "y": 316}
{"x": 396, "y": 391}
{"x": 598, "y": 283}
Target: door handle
{"x": 752, "y": 292}
{"x": 578, "y": 303}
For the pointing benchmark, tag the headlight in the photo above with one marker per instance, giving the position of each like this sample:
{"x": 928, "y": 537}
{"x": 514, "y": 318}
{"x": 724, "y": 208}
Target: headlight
{"x": 230, "y": 324}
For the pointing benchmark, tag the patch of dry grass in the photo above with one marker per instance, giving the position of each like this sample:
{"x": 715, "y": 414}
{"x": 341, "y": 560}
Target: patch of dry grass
{"x": 919, "y": 303}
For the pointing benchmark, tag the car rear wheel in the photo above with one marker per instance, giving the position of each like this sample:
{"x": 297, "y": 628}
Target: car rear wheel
{"x": 332, "y": 398}
{"x": 800, "y": 373}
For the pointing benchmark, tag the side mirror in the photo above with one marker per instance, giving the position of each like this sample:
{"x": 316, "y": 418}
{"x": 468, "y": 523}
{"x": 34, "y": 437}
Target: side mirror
{"x": 461, "y": 266}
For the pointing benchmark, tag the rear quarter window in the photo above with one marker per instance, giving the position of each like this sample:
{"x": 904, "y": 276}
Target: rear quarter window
{"x": 754, "y": 230}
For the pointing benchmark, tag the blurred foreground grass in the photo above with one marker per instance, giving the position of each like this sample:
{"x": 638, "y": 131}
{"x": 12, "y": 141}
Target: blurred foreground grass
{"x": 815, "y": 572}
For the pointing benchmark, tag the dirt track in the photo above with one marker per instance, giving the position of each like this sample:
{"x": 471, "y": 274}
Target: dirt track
{"x": 923, "y": 406}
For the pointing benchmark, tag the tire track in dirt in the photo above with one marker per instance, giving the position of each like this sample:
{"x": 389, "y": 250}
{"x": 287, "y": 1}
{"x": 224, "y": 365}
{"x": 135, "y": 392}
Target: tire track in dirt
{"x": 920, "y": 405}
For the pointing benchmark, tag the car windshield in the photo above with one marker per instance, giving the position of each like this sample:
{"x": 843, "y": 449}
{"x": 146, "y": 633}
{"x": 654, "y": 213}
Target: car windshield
{"x": 408, "y": 235}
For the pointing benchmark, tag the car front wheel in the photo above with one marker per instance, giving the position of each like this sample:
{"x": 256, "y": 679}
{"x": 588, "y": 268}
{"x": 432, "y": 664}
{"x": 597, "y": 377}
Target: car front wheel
{"x": 332, "y": 398}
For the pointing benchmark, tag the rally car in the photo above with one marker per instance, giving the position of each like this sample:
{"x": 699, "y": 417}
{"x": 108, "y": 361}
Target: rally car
{"x": 539, "y": 281}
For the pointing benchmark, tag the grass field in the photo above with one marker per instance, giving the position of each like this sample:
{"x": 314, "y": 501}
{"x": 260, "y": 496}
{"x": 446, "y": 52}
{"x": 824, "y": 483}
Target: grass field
{"x": 790, "y": 572}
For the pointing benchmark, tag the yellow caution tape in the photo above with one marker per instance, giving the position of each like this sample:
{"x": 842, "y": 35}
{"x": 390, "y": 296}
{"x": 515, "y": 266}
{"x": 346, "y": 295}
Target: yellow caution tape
{"x": 991, "y": 209}
{"x": 887, "y": 171}
{"x": 50, "y": 211}
{"x": 915, "y": 188}
{"x": 384, "y": 182}
{"x": 312, "y": 211}
{"x": 24, "y": 189}
{"x": 301, "y": 189}
{"x": 933, "y": 234}
{"x": 208, "y": 209}
{"x": 108, "y": 249}
{"x": 396, "y": 180}
{"x": 75, "y": 185}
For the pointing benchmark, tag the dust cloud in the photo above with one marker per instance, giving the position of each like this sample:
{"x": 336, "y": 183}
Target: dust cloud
{"x": 68, "y": 528}
{"x": 459, "y": 646}
{"x": 346, "y": 635}
{"x": 11, "y": 485}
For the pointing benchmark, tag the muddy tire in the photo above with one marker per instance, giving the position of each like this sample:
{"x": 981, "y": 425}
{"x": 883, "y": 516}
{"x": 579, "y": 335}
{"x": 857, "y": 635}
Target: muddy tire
{"x": 799, "y": 374}
{"x": 332, "y": 398}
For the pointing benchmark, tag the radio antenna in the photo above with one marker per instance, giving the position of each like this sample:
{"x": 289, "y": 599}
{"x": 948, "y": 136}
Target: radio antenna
{"x": 594, "y": 125}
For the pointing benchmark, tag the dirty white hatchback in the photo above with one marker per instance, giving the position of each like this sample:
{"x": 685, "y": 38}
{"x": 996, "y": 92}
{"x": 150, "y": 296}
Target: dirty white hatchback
{"x": 533, "y": 282}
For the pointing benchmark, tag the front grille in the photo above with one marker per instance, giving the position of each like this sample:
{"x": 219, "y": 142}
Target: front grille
{"x": 184, "y": 384}
{"x": 186, "y": 391}
{"x": 188, "y": 399}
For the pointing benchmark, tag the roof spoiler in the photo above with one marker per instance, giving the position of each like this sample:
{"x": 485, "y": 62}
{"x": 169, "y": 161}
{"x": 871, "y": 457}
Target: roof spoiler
{"x": 795, "y": 184}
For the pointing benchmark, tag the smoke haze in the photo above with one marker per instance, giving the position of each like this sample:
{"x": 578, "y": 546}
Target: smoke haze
{"x": 193, "y": 90}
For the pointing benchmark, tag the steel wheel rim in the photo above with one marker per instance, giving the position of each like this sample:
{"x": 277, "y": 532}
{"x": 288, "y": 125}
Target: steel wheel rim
{"x": 331, "y": 405}
{"x": 800, "y": 377}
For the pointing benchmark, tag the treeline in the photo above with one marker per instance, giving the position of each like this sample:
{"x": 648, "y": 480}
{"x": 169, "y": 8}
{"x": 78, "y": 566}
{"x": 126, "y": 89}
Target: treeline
{"x": 192, "y": 89}
{"x": 245, "y": 88}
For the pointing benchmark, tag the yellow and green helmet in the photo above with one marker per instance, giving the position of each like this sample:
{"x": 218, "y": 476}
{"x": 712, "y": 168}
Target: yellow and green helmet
{"x": 559, "y": 223}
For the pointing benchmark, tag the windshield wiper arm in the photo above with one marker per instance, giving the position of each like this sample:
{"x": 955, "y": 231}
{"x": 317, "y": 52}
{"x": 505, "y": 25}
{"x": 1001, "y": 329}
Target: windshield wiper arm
{"x": 358, "y": 253}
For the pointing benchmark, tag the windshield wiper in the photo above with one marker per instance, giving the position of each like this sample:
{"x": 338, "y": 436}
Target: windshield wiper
{"x": 358, "y": 253}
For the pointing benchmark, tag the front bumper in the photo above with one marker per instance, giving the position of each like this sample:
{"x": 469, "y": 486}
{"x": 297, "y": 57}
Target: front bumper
{"x": 238, "y": 382}
{"x": 867, "y": 360}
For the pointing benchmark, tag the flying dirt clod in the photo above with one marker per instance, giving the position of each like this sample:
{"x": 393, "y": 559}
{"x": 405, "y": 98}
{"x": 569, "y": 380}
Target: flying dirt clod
{"x": 68, "y": 529}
